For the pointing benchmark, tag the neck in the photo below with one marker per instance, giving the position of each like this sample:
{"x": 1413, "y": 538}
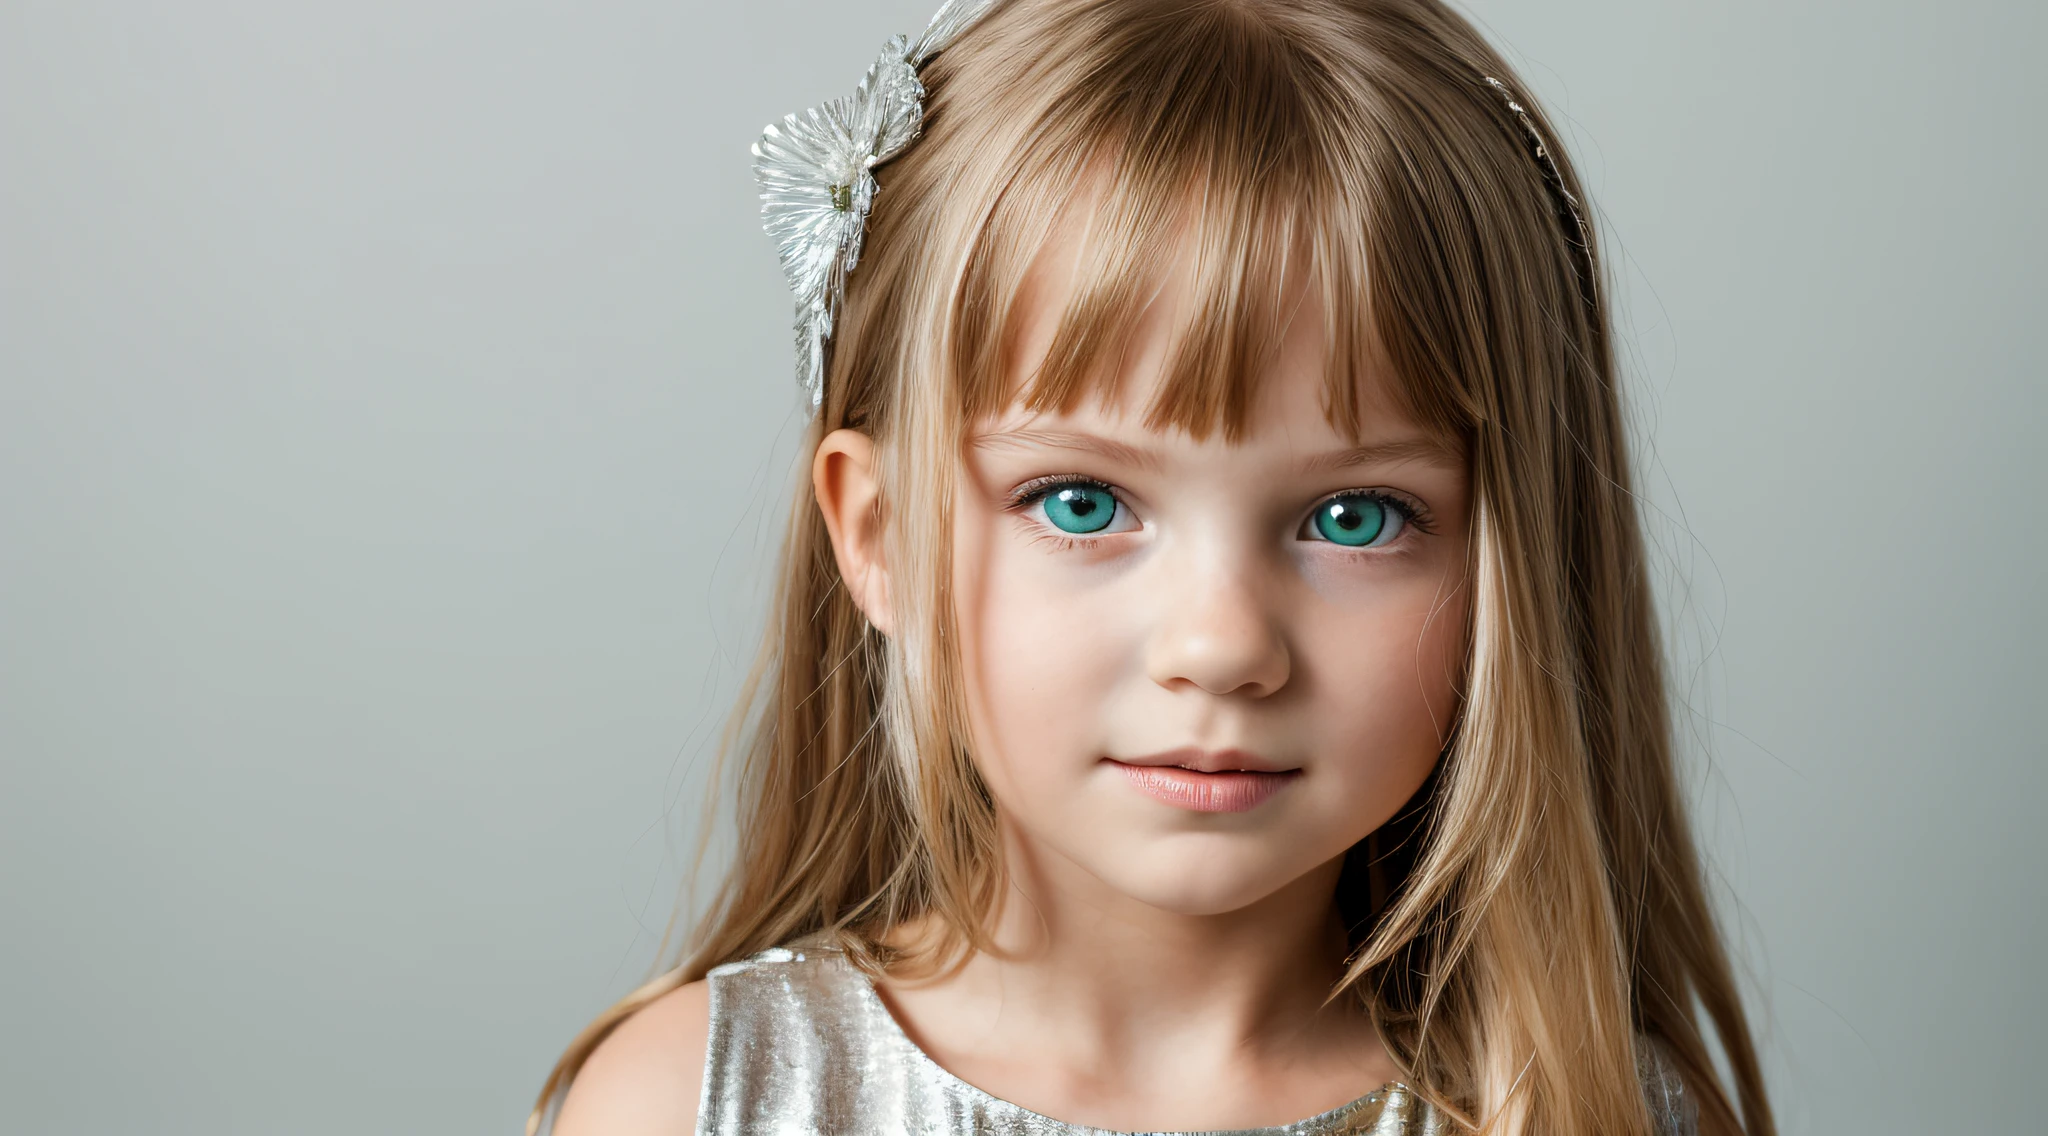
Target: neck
{"x": 1133, "y": 992}
{"x": 1076, "y": 946}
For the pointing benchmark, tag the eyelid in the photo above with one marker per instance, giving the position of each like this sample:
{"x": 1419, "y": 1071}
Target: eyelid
{"x": 1039, "y": 488}
{"x": 1417, "y": 513}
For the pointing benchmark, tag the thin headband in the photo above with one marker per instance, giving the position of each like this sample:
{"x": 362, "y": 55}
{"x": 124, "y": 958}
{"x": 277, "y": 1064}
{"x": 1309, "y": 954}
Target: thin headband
{"x": 1577, "y": 235}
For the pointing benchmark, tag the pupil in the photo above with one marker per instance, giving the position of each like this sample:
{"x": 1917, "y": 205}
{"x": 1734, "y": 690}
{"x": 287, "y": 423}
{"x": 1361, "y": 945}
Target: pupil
{"x": 1346, "y": 518}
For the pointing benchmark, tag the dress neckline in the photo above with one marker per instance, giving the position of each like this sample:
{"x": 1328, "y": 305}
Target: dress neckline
{"x": 1328, "y": 1123}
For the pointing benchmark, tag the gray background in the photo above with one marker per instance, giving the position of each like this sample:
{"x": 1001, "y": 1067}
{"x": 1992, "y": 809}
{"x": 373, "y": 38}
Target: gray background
{"x": 395, "y": 403}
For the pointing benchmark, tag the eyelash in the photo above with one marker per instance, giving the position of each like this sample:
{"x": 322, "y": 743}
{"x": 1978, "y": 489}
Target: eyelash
{"x": 1038, "y": 489}
{"x": 1412, "y": 512}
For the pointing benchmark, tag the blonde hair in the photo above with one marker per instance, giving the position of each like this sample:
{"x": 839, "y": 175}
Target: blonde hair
{"x": 1548, "y": 918}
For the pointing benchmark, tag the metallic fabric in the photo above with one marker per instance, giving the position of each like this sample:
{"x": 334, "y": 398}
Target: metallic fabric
{"x": 1672, "y": 1111}
{"x": 801, "y": 1045}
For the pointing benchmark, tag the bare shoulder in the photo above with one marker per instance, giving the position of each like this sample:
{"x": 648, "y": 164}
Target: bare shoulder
{"x": 644, "y": 1080}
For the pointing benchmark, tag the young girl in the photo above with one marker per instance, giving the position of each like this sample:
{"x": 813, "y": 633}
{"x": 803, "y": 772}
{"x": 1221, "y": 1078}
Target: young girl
{"x": 1214, "y": 682}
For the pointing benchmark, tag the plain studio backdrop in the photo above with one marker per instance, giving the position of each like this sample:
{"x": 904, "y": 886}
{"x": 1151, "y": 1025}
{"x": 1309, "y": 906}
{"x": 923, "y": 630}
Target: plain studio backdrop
{"x": 396, "y": 413}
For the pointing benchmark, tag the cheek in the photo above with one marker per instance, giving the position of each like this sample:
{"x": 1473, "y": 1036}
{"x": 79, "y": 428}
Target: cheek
{"x": 1382, "y": 687}
{"x": 1041, "y": 652}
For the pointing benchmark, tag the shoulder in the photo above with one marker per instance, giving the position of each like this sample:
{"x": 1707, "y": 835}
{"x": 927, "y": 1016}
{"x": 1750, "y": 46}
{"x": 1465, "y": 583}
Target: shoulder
{"x": 644, "y": 1079}
{"x": 650, "y": 1076}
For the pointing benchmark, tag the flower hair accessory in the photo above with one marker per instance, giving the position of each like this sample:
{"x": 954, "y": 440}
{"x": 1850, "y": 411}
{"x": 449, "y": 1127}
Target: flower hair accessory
{"x": 816, "y": 167}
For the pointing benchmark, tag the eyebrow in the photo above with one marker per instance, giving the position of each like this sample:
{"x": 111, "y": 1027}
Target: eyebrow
{"x": 1063, "y": 440}
{"x": 1397, "y": 451}
{"x": 1426, "y": 450}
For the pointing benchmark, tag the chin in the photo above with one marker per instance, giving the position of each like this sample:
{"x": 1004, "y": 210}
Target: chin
{"x": 1200, "y": 880}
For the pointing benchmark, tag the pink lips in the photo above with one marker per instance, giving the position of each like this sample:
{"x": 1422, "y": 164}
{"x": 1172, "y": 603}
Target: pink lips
{"x": 1222, "y": 781}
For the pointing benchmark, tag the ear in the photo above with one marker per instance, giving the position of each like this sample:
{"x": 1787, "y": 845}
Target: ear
{"x": 850, "y": 497}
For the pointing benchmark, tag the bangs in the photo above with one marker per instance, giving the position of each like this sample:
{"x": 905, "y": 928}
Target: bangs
{"x": 1191, "y": 157}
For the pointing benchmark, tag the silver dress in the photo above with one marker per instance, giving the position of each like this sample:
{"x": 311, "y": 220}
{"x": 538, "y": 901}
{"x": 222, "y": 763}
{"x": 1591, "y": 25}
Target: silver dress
{"x": 801, "y": 1045}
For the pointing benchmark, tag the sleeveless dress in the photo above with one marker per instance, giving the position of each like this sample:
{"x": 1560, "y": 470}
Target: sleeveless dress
{"x": 800, "y": 1044}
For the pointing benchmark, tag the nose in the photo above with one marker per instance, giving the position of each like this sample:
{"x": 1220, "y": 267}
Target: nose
{"x": 1217, "y": 631}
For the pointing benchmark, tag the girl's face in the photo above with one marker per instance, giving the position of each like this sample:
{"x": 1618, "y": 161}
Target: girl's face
{"x": 1199, "y": 670}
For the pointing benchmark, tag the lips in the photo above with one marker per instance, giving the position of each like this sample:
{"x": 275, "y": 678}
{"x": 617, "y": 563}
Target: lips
{"x": 1207, "y": 781}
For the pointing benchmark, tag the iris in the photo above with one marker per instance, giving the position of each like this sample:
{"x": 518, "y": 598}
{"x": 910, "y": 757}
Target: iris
{"x": 1352, "y": 519}
{"x": 1080, "y": 508}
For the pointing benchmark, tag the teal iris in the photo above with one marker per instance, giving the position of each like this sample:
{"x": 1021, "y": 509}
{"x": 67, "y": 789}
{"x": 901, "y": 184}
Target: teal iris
{"x": 1352, "y": 519}
{"x": 1080, "y": 508}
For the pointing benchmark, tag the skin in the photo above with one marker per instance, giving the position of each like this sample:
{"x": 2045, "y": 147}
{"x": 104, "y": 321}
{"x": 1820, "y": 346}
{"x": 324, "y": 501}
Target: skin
{"x": 1158, "y": 968}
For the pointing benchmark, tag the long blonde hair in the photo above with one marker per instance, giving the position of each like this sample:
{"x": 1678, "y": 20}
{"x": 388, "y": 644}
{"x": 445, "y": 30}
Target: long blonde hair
{"x": 1548, "y": 918}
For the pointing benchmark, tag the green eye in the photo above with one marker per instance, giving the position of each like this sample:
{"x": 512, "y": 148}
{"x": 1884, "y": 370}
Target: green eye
{"x": 1080, "y": 508}
{"x": 1356, "y": 520}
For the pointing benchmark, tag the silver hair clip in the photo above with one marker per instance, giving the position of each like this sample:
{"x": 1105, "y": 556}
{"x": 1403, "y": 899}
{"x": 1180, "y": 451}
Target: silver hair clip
{"x": 1581, "y": 237}
{"x": 815, "y": 169}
